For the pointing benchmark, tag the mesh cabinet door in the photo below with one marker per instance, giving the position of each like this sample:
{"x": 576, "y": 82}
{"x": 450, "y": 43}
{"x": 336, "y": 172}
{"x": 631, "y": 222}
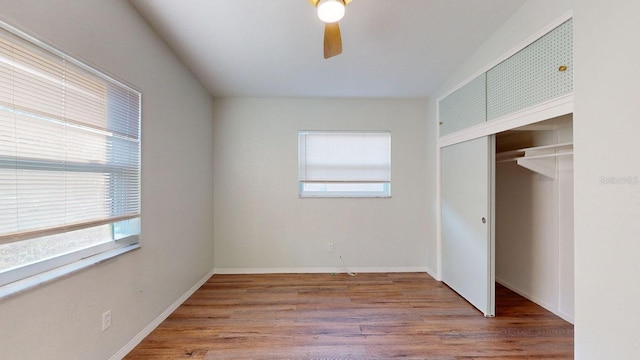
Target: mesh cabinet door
{"x": 540, "y": 72}
{"x": 465, "y": 107}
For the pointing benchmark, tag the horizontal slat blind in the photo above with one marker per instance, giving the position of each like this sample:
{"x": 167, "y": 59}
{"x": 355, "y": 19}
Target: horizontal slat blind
{"x": 345, "y": 156}
{"x": 69, "y": 143}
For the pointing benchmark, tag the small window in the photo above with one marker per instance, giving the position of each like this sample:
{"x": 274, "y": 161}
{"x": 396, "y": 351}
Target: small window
{"x": 344, "y": 163}
{"x": 69, "y": 160}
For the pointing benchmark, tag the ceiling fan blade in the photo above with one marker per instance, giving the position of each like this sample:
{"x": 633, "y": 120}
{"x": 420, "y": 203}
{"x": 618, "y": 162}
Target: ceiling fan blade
{"x": 332, "y": 40}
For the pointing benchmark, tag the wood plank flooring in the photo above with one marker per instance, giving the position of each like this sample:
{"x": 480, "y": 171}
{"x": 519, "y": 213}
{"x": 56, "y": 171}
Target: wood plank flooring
{"x": 368, "y": 316}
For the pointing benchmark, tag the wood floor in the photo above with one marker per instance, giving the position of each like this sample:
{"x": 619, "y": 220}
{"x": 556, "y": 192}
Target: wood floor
{"x": 368, "y": 316}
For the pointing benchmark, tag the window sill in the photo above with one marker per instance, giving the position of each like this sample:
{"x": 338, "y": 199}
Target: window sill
{"x": 336, "y": 196}
{"x": 25, "y": 284}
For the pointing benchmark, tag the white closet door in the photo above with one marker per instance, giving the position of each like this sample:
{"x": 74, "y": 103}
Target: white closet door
{"x": 466, "y": 201}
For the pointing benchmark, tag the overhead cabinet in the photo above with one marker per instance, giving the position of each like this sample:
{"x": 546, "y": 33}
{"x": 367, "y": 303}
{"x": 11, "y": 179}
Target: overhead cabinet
{"x": 540, "y": 72}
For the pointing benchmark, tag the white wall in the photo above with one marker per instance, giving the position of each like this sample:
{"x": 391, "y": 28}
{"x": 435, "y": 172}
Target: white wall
{"x": 261, "y": 224}
{"x": 607, "y": 216}
{"x": 534, "y": 225}
{"x": 62, "y": 319}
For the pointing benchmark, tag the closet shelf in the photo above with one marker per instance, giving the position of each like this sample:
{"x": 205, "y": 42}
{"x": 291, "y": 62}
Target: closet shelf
{"x": 540, "y": 159}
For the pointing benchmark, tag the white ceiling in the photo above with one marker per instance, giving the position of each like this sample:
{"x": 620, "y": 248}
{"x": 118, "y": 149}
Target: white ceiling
{"x": 273, "y": 48}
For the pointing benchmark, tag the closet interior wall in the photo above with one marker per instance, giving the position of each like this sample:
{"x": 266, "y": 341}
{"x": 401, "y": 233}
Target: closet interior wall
{"x": 534, "y": 219}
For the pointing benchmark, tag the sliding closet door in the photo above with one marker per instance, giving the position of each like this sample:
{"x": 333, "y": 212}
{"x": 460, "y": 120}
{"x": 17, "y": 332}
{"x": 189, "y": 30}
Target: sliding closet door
{"x": 466, "y": 200}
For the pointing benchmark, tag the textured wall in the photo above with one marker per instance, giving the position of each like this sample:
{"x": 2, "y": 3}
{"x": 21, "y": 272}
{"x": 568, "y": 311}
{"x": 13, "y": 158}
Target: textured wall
{"x": 261, "y": 224}
{"x": 62, "y": 319}
{"x": 607, "y": 179}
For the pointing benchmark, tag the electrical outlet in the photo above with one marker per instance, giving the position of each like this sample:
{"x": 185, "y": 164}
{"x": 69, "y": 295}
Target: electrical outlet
{"x": 106, "y": 320}
{"x": 330, "y": 247}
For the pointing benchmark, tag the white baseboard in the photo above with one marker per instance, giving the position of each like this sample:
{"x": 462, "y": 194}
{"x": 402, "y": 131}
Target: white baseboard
{"x": 433, "y": 274}
{"x": 553, "y": 309}
{"x": 318, "y": 270}
{"x": 567, "y": 317}
{"x": 159, "y": 319}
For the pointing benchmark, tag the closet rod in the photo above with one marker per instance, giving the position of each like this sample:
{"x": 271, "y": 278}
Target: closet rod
{"x": 543, "y": 147}
{"x": 535, "y": 156}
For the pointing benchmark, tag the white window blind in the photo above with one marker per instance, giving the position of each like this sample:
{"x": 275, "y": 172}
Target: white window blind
{"x": 344, "y": 163}
{"x": 69, "y": 156}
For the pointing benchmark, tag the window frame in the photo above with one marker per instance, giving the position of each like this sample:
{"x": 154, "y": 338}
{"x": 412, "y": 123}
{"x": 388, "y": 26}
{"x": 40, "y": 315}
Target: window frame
{"x": 24, "y": 276}
{"x": 332, "y": 187}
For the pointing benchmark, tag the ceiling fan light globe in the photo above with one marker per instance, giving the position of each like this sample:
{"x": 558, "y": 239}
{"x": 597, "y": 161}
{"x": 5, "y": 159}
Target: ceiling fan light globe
{"x": 330, "y": 11}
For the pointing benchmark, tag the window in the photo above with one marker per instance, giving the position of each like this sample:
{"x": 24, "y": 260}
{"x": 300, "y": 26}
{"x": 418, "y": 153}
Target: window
{"x": 69, "y": 160}
{"x": 344, "y": 163}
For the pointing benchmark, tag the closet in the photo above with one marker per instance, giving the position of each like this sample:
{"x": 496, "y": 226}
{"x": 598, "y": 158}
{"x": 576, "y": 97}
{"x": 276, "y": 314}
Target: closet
{"x": 506, "y": 179}
{"x": 534, "y": 213}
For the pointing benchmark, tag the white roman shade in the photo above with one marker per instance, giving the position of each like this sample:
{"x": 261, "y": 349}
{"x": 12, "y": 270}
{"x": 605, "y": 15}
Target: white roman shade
{"x": 345, "y": 157}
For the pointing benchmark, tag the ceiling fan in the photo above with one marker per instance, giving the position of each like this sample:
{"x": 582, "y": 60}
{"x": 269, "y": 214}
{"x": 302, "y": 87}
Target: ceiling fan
{"x": 330, "y": 12}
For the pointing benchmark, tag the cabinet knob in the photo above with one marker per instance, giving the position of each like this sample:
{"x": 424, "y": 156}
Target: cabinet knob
{"x": 440, "y": 123}
{"x": 484, "y": 221}
{"x": 562, "y": 68}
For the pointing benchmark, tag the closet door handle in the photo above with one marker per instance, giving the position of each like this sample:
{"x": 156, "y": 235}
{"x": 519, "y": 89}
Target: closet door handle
{"x": 484, "y": 221}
